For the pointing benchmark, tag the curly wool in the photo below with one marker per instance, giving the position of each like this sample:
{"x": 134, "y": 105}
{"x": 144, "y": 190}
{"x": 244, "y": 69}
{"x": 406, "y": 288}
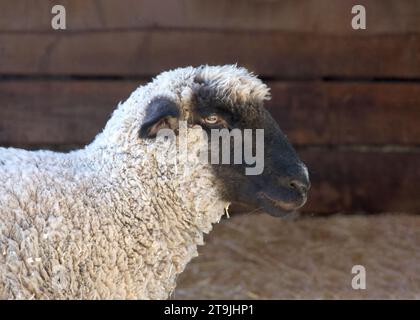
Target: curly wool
{"x": 109, "y": 221}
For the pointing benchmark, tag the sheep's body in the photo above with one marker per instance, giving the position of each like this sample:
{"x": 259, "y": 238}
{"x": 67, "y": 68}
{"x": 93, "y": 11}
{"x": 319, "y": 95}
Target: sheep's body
{"x": 68, "y": 231}
{"x": 107, "y": 221}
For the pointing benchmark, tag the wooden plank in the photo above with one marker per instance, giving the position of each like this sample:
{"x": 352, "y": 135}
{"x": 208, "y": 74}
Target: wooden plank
{"x": 311, "y": 16}
{"x": 349, "y": 181}
{"x": 273, "y": 54}
{"x": 310, "y": 113}
{"x": 48, "y": 112}
{"x": 347, "y": 112}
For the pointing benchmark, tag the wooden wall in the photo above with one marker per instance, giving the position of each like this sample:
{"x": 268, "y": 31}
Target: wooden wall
{"x": 348, "y": 100}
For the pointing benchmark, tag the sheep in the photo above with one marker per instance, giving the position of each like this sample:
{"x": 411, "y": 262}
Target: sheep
{"x": 113, "y": 221}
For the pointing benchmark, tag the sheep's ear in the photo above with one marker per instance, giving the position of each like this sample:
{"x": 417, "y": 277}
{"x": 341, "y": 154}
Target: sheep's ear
{"x": 160, "y": 113}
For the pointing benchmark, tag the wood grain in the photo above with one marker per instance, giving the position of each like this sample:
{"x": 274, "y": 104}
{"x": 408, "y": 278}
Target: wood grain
{"x": 347, "y": 112}
{"x": 309, "y": 16}
{"x": 351, "y": 181}
{"x": 145, "y": 53}
{"x": 48, "y": 112}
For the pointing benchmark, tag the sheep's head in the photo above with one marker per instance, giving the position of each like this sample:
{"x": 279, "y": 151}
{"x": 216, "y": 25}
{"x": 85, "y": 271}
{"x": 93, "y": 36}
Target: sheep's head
{"x": 215, "y": 98}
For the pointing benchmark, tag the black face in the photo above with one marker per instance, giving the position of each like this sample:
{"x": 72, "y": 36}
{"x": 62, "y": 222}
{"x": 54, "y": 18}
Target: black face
{"x": 283, "y": 183}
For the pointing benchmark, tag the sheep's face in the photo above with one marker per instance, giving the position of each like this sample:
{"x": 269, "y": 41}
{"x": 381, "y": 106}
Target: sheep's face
{"x": 278, "y": 182}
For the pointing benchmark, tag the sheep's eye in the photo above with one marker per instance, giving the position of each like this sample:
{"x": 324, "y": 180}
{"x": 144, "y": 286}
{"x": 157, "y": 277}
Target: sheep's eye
{"x": 212, "y": 119}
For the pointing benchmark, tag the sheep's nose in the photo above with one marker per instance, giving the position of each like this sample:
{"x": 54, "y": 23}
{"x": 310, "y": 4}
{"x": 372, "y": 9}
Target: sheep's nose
{"x": 298, "y": 179}
{"x": 302, "y": 185}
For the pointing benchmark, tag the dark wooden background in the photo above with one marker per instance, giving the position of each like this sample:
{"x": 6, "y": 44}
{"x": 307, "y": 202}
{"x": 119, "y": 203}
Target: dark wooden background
{"x": 349, "y": 100}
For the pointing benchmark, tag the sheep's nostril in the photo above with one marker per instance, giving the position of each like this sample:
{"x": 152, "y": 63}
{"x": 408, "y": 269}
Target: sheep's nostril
{"x": 299, "y": 185}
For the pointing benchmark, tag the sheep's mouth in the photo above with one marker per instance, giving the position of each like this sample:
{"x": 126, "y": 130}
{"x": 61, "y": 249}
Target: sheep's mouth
{"x": 276, "y": 206}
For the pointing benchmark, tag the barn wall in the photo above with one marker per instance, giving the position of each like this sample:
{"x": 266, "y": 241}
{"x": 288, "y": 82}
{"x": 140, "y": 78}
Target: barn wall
{"x": 349, "y": 100}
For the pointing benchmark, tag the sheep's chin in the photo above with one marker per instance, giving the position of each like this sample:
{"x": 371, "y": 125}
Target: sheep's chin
{"x": 262, "y": 208}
